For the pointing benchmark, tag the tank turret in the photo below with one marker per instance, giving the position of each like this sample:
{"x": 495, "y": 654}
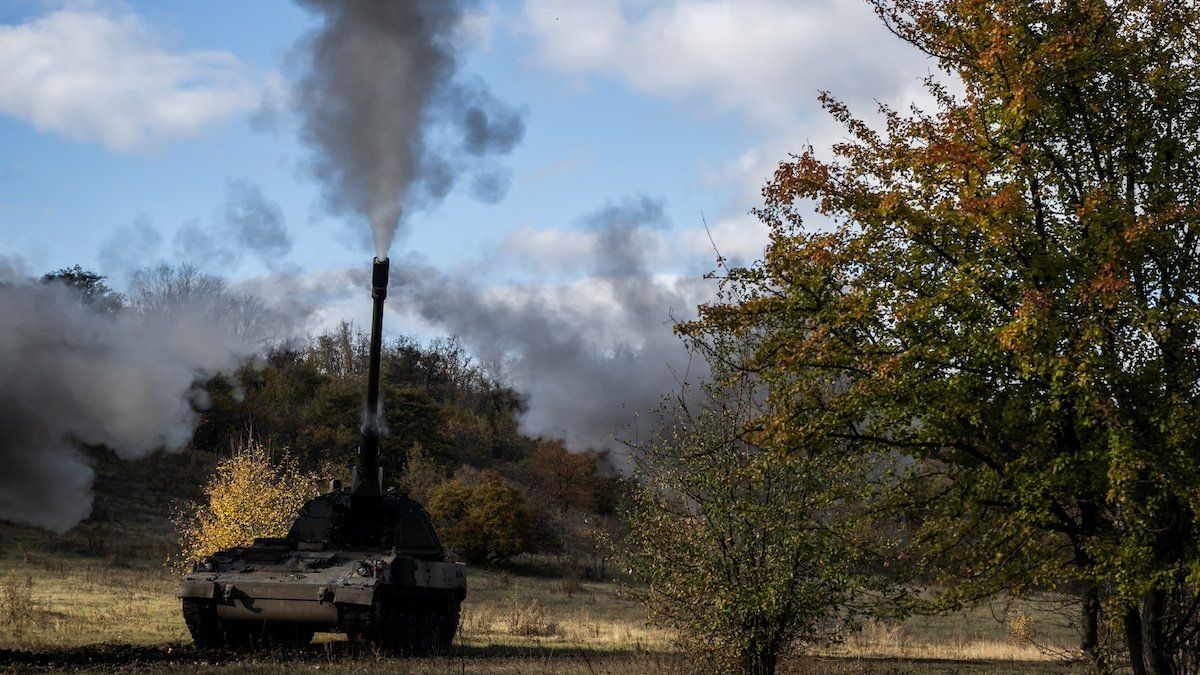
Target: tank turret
{"x": 360, "y": 561}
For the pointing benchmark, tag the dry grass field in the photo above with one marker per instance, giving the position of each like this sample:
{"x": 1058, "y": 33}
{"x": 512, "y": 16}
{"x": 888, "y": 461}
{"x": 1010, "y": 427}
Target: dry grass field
{"x": 100, "y": 598}
{"x": 109, "y": 613}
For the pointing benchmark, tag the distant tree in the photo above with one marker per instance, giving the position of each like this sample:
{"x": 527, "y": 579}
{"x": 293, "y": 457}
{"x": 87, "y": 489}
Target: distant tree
{"x": 90, "y": 287}
{"x": 165, "y": 290}
{"x": 1007, "y": 291}
{"x": 568, "y": 479}
{"x": 420, "y": 475}
{"x": 486, "y": 519}
{"x": 341, "y": 353}
{"x": 414, "y": 418}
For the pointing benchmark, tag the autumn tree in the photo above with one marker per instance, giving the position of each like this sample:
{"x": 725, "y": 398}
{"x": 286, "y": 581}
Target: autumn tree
{"x": 1008, "y": 295}
{"x": 249, "y": 495}
{"x": 568, "y": 479}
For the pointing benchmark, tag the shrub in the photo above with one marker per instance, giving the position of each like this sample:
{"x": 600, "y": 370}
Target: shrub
{"x": 421, "y": 474}
{"x": 486, "y": 520}
{"x": 572, "y": 579}
{"x": 247, "y": 496}
{"x": 1020, "y": 627}
{"x": 16, "y": 603}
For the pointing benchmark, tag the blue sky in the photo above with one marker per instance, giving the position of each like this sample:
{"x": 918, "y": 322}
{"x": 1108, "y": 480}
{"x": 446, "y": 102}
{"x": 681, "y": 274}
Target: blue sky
{"x": 588, "y": 140}
{"x": 595, "y": 132}
{"x": 124, "y": 121}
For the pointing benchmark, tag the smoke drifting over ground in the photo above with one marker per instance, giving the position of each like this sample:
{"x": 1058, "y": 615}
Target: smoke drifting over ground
{"x": 71, "y": 374}
{"x": 591, "y": 355}
{"x": 391, "y": 125}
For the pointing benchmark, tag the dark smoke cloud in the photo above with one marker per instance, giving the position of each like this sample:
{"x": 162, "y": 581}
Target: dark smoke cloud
{"x": 591, "y": 355}
{"x": 379, "y": 99}
{"x": 490, "y": 187}
{"x": 72, "y": 375}
{"x": 487, "y": 125}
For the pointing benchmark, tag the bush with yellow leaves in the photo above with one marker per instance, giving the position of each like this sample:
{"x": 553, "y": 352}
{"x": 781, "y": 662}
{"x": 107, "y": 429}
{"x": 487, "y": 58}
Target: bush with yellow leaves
{"x": 247, "y": 496}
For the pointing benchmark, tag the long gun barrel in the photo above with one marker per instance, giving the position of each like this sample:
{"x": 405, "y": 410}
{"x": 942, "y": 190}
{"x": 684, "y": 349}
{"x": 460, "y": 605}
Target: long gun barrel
{"x": 367, "y": 476}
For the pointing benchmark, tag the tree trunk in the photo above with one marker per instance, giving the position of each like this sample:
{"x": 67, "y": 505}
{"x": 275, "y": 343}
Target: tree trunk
{"x": 761, "y": 658}
{"x": 1153, "y": 642}
{"x": 1089, "y": 628}
{"x": 1133, "y": 641}
{"x": 760, "y": 662}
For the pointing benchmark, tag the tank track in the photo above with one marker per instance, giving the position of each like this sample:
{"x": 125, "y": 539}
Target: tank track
{"x": 416, "y": 634}
{"x": 208, "y": 632}
{"x": 201, "y": 619}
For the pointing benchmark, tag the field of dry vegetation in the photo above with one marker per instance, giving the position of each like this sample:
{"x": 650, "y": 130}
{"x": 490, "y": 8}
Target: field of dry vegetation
{"x": 101, "y": 598}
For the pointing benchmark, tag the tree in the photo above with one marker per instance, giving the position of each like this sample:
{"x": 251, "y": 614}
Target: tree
{"x": 1008, "y": 296}
{"x": 90, "y": 287}
{"x": 567, "y": 479}
{"x": 413, "y": 417}
{"x": 184, "y": 290}
{"x": 247, "y": 496}
{"x": 486, "y": 520}
{"x": 748, "y": 543}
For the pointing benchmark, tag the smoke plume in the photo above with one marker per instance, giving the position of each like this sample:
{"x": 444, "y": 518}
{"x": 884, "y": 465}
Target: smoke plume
{"x": 129, "y": 246}
{"x": 591, "y": 355}
{"x": 390, "y": 123}
{"x": 247, "y": 222}
{"x": 71, "y": 374}
{"x": 255, "y": 222}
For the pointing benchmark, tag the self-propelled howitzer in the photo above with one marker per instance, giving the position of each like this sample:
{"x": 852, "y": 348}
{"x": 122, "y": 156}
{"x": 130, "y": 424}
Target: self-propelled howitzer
{"x": 360, "y": 561}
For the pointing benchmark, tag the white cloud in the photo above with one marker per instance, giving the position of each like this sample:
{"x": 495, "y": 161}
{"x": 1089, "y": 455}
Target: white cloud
{"x": 580, "y": 251}
{"x": 546, "y": 249}
{"x": 765, "y": 59}
{"x": 96, "y": 72}
{"x": 739, "y": 239}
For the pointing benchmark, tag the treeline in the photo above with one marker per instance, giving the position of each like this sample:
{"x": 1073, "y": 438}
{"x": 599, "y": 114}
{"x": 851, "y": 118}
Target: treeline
{"x": 453, "y": 441}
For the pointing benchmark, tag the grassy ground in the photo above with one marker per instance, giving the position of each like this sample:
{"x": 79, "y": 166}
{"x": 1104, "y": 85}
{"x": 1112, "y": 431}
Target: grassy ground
{"x": 100, "y": 598}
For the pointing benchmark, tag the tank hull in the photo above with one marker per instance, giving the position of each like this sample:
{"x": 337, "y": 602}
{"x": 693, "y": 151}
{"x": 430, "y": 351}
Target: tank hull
{"x": 322, "y": 601}
{"x": 405, "y": 604}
